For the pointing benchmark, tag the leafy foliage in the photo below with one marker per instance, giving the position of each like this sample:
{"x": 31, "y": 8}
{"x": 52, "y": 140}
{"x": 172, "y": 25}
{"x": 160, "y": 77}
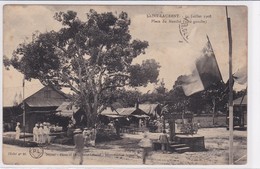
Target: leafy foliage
{"x": 92, "y": 58}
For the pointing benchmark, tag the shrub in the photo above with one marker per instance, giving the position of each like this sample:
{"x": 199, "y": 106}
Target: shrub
{"x": 21, "y": 143}
{"x": 189, "y": 128}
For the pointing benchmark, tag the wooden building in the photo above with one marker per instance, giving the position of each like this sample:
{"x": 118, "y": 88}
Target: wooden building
{"x": 41, "y": 106}
{"x": 72, "y": 113}
{"x": 240, "y": 112}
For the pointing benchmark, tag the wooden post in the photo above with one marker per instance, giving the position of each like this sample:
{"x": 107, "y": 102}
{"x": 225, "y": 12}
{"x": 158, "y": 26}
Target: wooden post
{"x": 231, "y": 118}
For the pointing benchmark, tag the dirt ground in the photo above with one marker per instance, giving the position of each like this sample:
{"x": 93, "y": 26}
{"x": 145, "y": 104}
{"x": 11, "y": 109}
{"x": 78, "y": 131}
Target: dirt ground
{"x": 127, "y": 151}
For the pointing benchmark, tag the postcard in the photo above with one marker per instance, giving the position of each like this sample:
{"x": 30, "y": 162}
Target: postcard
{"x": 124, "y": 84}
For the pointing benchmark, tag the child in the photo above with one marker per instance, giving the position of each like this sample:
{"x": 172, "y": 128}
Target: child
{"x": 146, "y": 144}
{"x": 163, "y": 139}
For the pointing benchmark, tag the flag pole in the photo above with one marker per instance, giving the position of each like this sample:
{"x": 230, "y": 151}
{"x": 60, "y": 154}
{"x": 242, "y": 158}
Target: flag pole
{"x": 23, "y": 112}
{"x": 231, "y": 119}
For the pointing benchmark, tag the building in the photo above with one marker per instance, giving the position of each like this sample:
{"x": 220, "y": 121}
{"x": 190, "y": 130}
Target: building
{"x": 40, "y": 106}
{"x": 72, "y": 113}
{"x": 126, "y": 116}
{"x": 153, "y": 110}
{"x": 240, "y": 111}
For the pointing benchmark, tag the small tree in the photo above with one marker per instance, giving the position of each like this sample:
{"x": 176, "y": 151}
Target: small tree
{"x": 92, "y": 58}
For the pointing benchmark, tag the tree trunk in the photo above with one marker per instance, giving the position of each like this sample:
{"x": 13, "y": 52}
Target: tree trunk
{"x": 172, "y": 129}
{"x": 213, "y": 109}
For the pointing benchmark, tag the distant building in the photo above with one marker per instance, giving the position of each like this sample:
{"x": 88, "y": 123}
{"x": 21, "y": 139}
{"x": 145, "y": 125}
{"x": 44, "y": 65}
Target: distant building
{"x": 72, "y": 112}
{"x": 40, "y": 106}
{"x": 153, "y": 110}
{"x": 128, "y": 115}
{"x": 240, "y": 111}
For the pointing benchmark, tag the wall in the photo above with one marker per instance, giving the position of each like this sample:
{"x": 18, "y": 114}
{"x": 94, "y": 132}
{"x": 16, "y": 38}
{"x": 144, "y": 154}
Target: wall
{"x": 206, "y": 120}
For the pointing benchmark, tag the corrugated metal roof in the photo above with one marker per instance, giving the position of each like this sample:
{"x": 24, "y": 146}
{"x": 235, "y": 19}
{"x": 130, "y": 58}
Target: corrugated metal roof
{"x": 148, "y": 108}
{"x": 141, "y": 116}
{"x": 113, "y": 116}
{"x": 16, "y": 94}
{"x": 120, "y": 111}
{"x": 238, "y": 101}
{"x": 44, "y": 102}
{"x": 143, "y": 109}
{"x": 67, "y": 109}
{"x": 126, "y": 111}
{"x": 108, "y": 111}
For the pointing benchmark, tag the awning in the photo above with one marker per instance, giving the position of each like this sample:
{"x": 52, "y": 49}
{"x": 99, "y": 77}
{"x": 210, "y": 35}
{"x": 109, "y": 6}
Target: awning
{"x": 65, "y": 114}
{"x": 141, "y": 116}
{"x": 112, "y": 116}
{"x": 241, "y": 101}
{"x": 67, "y": 109}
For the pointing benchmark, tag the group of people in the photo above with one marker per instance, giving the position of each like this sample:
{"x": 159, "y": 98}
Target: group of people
{"x": 89, "y": 136}
{"x": 41, "y": 133}
{"x": 82, "y": 137}
{"x": 114, "y": 126}
{"x": 146, "y": 144}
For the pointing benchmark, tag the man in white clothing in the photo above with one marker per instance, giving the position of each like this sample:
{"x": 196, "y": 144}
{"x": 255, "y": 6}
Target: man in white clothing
{"x": 46, "y": 133}
{"x": 40, "y": 134}
{"x": 17, "y": 131}
{"x": 36, "y": 133}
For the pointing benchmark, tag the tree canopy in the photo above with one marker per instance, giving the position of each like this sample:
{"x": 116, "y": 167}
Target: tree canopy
{"x": 91, "y": 57}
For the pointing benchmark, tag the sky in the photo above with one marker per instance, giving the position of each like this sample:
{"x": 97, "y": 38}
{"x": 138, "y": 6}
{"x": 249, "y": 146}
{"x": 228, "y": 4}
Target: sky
{"x": 159, "y": 25}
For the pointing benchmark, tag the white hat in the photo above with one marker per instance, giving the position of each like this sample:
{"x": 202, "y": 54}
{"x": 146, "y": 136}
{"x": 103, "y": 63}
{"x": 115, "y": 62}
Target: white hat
{"x": 18, "y": 123}
{"x": 41, "y": 125}
{"x": 77, "y": 131}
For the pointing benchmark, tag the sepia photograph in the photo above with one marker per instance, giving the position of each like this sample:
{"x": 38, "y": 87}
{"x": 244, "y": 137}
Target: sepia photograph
{"x": 124, "y": 84}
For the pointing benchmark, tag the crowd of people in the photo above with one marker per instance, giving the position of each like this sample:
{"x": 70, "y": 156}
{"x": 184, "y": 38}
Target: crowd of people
{"x": 41, "y": 133}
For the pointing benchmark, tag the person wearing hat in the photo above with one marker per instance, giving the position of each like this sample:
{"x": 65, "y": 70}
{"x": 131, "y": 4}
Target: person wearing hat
{"x": 86, "y": 135}
{"x": 79, "y": 145}
{"x": 41, "y": 134}
{"x": 46, "y": 133}
{"x": 36, "y": 133}
{"x": 17, "y": 131}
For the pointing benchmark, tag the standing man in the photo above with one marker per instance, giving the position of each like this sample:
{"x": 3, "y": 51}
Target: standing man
{"x": 146, "y": 145}
{"x": 46, "y": 132}
{"x": 40, "y": 134}
{"x": 36, "y": 133}
{"x": 79, "y": 145}
{"x": 17, "y": 131}
{"x": 93, "y": 136}
{"x": 117, "y": 126}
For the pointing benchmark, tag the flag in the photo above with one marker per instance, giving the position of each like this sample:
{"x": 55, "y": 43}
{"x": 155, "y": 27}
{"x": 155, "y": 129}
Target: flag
{"x": 205, "y": 74}
{"x": 240, "y": 76}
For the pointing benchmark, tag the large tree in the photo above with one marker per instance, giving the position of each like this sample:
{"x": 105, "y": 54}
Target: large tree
{"x": 91, "y": 57}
